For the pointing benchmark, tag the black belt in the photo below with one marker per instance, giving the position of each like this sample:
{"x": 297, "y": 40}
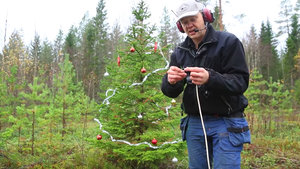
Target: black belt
{"x": 232, "y": 115}
{"x": 237, "y": 115}
{"x": 238, "y": 130}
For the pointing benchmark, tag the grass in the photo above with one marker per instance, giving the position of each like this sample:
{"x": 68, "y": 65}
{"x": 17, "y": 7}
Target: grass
{"x": 278, "y": 149}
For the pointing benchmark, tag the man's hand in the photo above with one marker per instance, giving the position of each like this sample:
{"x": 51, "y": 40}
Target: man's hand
{"x": 199, "y": 76}
{"x": 175, "y": 74}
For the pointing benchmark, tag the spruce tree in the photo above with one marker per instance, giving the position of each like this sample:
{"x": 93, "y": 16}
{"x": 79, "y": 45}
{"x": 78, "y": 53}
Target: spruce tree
{"x": 100, "y": 47}
{"x": 284, "y": 17}
{"x": 35, "y": 53}
{"x": 165, "y": 34}
{"x": 46, "y": 61}
{"x": 71, "y": 43}
{"x": 134, "y": 111}
{"x": 293, "y": 44}
{"x": 270, "y": 66}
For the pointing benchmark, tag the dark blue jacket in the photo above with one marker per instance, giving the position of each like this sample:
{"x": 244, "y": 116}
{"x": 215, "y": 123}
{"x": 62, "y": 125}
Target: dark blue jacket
{"x": 222, "y": 54}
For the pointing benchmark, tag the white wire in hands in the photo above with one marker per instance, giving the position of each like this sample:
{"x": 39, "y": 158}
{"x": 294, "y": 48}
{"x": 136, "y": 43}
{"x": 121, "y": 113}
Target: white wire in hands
{"x": 203, "y": 126}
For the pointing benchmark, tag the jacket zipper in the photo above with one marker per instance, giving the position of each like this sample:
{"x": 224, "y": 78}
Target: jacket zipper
{"x": 197, "y": 50}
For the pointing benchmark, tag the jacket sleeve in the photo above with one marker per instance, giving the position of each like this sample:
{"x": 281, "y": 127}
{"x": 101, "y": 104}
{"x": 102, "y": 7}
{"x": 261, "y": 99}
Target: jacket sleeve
{"x": 172, "y": 90}
{"x": 234, "y": 79}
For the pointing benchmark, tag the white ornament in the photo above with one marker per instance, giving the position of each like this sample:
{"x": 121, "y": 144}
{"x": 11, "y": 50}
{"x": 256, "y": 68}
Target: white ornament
{"x": 173, "y": 102}
{"x": 106, "y": 74}
{"x": 139, "y": 27}
{"x": 140, "y": 116}
{"x": 174, "y": 160}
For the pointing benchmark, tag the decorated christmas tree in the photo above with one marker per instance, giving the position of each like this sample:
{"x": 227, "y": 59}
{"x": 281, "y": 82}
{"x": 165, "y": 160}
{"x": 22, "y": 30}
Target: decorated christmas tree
{"x": 139, "y": 126}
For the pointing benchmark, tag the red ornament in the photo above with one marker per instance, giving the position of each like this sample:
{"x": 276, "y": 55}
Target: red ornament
{"x": 154, "y": 141}
{"x": 119, "y": 60}
{"x": 143, "y": 70}
{"x": 155, "y": 46}
{"x": 99, "y": 137}
{"x": 132, "y": 49}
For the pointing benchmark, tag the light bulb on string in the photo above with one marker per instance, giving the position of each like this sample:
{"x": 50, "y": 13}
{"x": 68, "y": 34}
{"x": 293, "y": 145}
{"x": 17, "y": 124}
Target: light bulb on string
{"x": 140, "y": 116}
{"x": 174, "y": 160}
{"x": 106, "y": 74}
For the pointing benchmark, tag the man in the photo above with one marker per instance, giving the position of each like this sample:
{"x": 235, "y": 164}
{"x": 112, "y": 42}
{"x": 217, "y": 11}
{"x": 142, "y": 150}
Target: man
{"x": 214, "y": 63}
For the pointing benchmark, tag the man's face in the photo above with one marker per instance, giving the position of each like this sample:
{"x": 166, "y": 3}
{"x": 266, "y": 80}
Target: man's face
{"x": 190, "y": 23}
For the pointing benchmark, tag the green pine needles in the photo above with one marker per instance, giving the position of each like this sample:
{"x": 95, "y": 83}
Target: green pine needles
{"x": 137, "y": 112}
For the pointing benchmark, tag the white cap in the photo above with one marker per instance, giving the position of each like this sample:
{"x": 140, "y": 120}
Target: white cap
{"x": 188, "y": 8}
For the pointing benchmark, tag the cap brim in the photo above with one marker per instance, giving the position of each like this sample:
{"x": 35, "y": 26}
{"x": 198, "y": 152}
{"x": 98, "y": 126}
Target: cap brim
{"x": 192, "y": 13}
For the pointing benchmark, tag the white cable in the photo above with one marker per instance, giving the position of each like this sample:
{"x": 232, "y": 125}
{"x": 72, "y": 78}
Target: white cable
{"x": 204, "y": 131}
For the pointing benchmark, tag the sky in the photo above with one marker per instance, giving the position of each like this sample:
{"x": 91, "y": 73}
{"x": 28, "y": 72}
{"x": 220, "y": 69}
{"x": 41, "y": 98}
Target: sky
{"x": 47, "y": 17}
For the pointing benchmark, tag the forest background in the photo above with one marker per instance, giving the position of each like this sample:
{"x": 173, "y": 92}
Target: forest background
{"x": 51, "y": 92}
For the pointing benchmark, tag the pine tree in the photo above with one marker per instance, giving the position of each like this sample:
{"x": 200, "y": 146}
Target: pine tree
{"x": 13, "y": 74}
{"x": 101, "y": 45}
{"x": 72, "y": 49}
{"x": 71, "y": 42}
{"x": 297, "y": 89}
{"x": 218, "y": 15}
{"x": 94, "y": 49}
{"x": 46, "y": 61}
{"x": 46, "y": 52}
{"x": 57, "y": 49}
{"x": 11, "y": 100}
{"x": 169, "y": 36}
{"x": 89, "y": 62}
{"x": 115, "y": 42}
{"x": 64, "y": 100}
{"x": 265, "y": 97}
{"x": 15, "y": 55}
{"x": 284, "y": 17}
{"x": 5, "y": 112}
{"x": 251, "y": 49}
{"x": 165, "y": 32}
{"x": 297, "y": 7}
{"x": 177, "y": 37}
{"x": 293, "y": 45}
{"x": 270, "y": 66}
{"x": 35, "y": 106}
{"x": 136, "y": 112}
{"x": 297, "y": 64}
{"x": 35, "y": 53}
{"x": 297, "y": 82}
